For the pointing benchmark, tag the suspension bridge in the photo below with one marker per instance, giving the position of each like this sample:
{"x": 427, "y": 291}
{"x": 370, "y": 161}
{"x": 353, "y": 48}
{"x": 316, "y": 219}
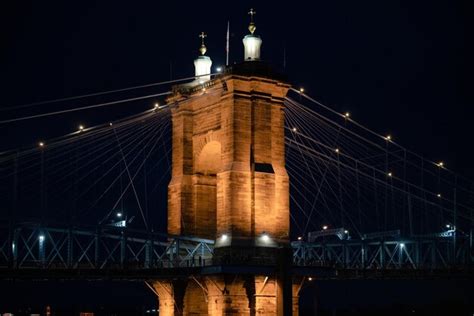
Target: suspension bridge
{"x": 358, "y": 199}
{"x": 98, "y": 203}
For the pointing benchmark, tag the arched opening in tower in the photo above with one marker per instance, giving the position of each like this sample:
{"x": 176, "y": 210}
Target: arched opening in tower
{"x": 207, "y": 165}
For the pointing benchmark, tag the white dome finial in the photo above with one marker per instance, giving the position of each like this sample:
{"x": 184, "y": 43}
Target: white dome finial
{"x": 202, "y": 64}
{"x": 252, "y": 43}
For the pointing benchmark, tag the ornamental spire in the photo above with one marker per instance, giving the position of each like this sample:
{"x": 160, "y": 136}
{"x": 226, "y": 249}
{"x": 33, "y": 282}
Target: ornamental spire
{"x": 251, "y": 41}
{"x": 203, "y": 48}
{"x": 252, "y": 26}
{"x": 203, "y": 63}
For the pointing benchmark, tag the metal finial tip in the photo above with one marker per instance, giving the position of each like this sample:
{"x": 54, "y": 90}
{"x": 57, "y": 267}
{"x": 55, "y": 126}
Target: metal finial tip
{"x": 203, "y": 48}
{"x": 252, "y": 12}
{"x": 252, "y": 26}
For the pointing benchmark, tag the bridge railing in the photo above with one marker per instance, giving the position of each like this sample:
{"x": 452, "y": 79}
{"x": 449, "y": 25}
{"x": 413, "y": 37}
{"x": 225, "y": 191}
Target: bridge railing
{"x": 422, "y": 253}
{"x": 32, "y": 246}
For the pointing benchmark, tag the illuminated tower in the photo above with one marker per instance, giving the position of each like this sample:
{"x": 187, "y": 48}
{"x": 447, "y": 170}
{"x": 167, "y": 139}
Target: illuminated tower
{"x": 229, "y": 180}
{"x": 229, "y": 183}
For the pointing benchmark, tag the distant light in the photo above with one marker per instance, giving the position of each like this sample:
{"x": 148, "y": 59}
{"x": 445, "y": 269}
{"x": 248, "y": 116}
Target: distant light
{"x": 81, "y": 128}
{"x": 300, "y": 238}
{"x": 402, "y": 245}
{"x": 121, "y": 223}
{"x": 157, "y": 105}
{"x": 294, "y": 129}
{"x": 265, "y": 237}
{"x": 438, "y": 195}
{"x": 301, "y": 90}
{"x": 346, "y": 232}
{"x": 310, "y": 279}
{"x": 388, "y": 137}
{"x": 347, "y": 114}
{"x": 448, "y": 226}
{"x": 41, "y": 238}
{"x": 110, "y": 124}
{"x": 218, "y": 69}
{"x": 119, "y": 214}
{"x": 325, "y": 227}
{"x": 41, "y": 144}
{"x": 336, "y": 150}
{"x": 224, "y": 237}
{"x": 389, "y": 174}
{"x": 440, "y": 164}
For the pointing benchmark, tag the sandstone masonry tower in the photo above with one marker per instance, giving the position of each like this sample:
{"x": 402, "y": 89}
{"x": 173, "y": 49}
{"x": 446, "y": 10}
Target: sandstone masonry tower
{"x": 229, "y": 184}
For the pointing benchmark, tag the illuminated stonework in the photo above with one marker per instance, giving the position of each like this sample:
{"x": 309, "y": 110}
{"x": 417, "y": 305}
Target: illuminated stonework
{"x": 223, "y": 295}
{"x": 228, "y": 173}
{"x": 229, "y": 183}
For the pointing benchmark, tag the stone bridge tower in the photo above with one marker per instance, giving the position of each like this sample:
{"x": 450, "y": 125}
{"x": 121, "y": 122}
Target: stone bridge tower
{"x": 229, "y": 180}
{"x": 229, "y": 184}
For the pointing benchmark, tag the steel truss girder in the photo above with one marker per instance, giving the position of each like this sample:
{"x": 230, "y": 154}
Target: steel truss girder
{"x": 428, "y": 253}
{"x": 119, "y": 248}
{"x": 35, "y": 246}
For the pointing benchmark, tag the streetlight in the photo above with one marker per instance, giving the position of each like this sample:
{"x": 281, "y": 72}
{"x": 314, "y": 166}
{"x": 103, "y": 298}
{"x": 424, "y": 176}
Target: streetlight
{"x": 325, "y": 227}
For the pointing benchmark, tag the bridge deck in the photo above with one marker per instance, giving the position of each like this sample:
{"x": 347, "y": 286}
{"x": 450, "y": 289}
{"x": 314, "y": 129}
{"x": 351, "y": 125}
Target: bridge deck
{"x": 316, "y": 273}
{"x": 34, "y": 252}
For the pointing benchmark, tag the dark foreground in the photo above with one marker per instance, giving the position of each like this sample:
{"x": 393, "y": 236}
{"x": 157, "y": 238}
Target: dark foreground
{"x": 356, "y": 297}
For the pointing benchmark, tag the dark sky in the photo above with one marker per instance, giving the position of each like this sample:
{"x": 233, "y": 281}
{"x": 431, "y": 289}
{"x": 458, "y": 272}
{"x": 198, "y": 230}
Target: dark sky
{"x": 400, "y": 67}
{"x": 403, "y": 67}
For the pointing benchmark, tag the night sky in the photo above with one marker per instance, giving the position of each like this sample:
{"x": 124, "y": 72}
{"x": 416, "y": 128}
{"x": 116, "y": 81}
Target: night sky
{"x": 399, "y": 67}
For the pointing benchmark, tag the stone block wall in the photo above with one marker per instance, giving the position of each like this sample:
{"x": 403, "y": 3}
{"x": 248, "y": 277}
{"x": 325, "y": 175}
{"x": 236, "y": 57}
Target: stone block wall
{"x": 242, "y": 190}
{"x": 222, "y": 295}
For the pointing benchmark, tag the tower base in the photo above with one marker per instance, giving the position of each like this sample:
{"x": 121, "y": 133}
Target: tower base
{"x": 226, "y": 294}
